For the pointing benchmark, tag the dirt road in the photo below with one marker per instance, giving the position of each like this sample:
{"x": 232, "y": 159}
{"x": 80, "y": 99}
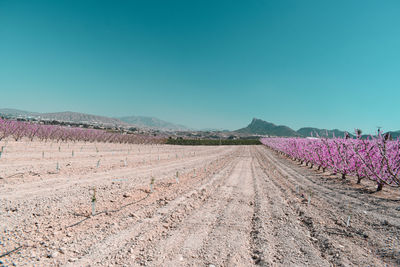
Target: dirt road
{"x": 230, "y": 206}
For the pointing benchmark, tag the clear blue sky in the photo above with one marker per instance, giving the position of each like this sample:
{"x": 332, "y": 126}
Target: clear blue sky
{"x": 218, "y": 64}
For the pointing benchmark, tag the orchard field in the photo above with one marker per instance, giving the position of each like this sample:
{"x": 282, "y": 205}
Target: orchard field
{"x": 164, "y": 205}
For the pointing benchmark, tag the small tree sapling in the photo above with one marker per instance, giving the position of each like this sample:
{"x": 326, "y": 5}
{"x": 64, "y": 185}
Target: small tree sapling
{"x": 348, "y": 217}
{"x": 94, "y": 201}
{"x": 309, "y": 198}
{"x": 151, "y": 184}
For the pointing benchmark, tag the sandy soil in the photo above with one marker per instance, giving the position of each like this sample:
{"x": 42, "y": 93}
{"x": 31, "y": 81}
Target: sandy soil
{"x": 232, "y": 206}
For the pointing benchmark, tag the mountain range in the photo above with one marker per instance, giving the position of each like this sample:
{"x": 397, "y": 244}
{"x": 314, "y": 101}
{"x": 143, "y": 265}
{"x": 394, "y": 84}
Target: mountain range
{"x": 256, "y": 126}
{"x": 260, "y": 127}
{"x": 310, "y": 131}
{"x": 76, "y": 117}
{"x": 151, "y": 122}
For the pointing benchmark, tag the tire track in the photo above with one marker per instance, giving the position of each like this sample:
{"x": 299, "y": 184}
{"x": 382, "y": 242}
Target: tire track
{"x": 326, "y": 216}
{"x": 46, "y": 239}
{"x": 138, "y": 239}
{"x": 288, "y": 243}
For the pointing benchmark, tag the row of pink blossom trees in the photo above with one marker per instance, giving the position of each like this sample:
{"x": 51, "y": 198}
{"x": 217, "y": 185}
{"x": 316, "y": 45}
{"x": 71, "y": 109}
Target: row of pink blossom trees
{"x": 20, "y": 129}
{"x": 376, "y": 158}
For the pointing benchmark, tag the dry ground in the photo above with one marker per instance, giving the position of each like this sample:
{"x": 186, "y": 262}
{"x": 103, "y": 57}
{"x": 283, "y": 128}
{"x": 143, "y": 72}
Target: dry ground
{"x": 233, "y": 206}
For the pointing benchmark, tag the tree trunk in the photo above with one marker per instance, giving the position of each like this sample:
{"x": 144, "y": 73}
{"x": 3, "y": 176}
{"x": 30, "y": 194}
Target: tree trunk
{"x": 379, "y": 188}
{"x": 359, "y": 179}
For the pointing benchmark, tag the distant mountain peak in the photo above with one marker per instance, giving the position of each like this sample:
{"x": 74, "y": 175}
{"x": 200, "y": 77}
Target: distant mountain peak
{"x": 261, "y": 127}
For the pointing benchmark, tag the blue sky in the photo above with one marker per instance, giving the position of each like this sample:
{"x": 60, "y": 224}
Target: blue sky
{"x": 206, "y": 64}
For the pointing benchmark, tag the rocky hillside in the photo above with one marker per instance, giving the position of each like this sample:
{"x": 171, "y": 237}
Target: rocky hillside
{"x": 152, "y": 122}
{"x": 76, "y": 117}
{"x": 261, "y": 127}
{"x": 309, "y": 131}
